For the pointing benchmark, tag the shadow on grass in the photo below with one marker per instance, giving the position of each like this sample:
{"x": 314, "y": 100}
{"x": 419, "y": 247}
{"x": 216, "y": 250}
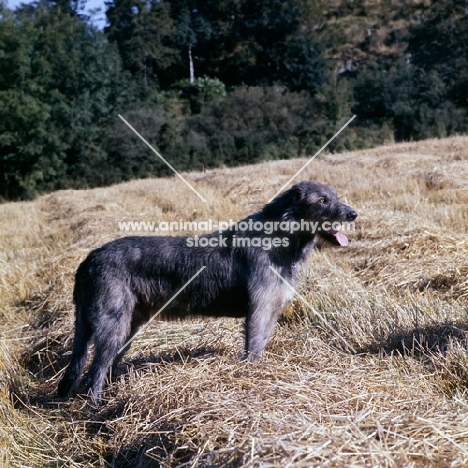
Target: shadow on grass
{"x": 159, "y": 450}
{"x": 47, "y": 359}
{"x": 156, "y": 448}
{"x": 180, "y": 355}
{"x": 421, "y": 341}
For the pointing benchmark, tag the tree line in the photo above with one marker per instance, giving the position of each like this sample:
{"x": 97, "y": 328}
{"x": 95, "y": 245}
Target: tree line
{"x": 214, "y": 83}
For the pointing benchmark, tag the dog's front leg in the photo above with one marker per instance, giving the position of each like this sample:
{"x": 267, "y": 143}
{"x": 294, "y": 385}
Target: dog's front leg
{"x": 259, "y": 326}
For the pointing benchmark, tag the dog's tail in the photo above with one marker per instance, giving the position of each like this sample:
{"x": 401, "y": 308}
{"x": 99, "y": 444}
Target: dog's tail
{"x": 83, "y": 334}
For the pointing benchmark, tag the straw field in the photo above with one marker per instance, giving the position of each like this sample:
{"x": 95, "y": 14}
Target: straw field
{"x": 372, "y": 370}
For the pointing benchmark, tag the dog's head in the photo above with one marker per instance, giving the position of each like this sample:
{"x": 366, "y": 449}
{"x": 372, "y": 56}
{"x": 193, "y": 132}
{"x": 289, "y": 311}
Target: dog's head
{"x": 316, "y": 204}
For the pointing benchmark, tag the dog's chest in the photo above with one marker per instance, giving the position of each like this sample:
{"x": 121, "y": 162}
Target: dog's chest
{"x": 286, "y": 286}
{"x": 287, "y": 290}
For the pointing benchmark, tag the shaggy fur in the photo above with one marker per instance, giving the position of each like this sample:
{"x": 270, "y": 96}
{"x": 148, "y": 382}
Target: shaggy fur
{"x": 119, "y": 286}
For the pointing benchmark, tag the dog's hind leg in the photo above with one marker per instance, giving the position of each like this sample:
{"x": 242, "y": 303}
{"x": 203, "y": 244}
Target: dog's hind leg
{"x": 139, "y": 317}
{"x": 119, "y": 356}
{"x": 106, "y": 348}
{"x": 83, "y": 334}
{"x": 112, "y": 332}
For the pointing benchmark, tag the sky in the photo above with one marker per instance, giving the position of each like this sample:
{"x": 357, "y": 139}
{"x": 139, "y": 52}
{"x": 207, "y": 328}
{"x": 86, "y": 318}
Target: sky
{"x": 98, "y": 20}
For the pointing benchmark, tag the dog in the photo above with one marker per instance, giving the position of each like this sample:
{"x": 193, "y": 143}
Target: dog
{"x": 250, "y": 271}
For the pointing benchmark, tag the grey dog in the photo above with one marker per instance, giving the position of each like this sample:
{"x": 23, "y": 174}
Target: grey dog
{"x": 121, "y": 285}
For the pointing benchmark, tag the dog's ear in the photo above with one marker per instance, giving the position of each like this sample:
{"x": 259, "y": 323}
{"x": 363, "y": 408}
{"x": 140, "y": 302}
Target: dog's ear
{"x": 292, "y": 200}
{"x": 284, "y": 205}
{"x": 288, "y": 213}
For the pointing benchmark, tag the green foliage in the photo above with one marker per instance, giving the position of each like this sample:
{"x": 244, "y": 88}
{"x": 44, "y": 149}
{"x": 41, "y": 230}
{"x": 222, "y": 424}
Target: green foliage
{"x": 60, "y": 82}
{"x": 23, "y": 139}
{"x": 128, "y": 157}
{"x": 200, "y": 91}
{"x": 417, "y": 104}
{"x": 253, "y": 124}
{"x": 209, "y": 88}
{"x": 243, "y": 42}
{"x": 440, "y": 46}
{"x": 145, "y": 35}
{"x": 256, "y": 124}
{"x": 219, "y": 83}
{"x": 248, "y": 125}
{"x": 29, "y": 154}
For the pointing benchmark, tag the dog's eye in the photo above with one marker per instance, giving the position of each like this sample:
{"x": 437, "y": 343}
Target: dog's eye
{"x": 322, "y": 200}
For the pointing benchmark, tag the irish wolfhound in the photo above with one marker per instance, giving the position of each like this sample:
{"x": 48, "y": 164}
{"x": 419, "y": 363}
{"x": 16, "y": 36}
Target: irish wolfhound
{"x": 121, "y": 285}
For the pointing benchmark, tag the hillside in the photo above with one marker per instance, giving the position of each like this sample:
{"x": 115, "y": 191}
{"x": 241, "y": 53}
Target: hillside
{"x": 214, "y": 84}
{"x": 397, "y": 295}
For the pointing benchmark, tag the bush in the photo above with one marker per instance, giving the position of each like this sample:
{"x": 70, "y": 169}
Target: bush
{"x": 127, "y": 155}
{"x": 254, "y": 124}
{"x": 416, "y": 104}
{"x": 59, "y": 85}
{"x": 200, "y": 91}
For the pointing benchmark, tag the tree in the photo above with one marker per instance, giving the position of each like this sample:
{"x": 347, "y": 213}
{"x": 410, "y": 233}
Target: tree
{"x": 440, "y": 44}
{"x": 271, "y": 47}
{"x": 192, "y": 29}
{"x": 24, "y": 116}
{"x": 59, "y": 86}
{"x": 144, "y": 33}
{"x": 251, "y": 42}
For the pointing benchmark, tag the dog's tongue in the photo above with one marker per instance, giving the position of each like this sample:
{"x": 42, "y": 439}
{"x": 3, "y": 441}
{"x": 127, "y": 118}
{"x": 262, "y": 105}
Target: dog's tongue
{"x": 341, "y": 239}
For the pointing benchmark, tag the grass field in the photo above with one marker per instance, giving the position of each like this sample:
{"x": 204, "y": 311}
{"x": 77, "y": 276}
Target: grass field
{"x": 397, "y": 296}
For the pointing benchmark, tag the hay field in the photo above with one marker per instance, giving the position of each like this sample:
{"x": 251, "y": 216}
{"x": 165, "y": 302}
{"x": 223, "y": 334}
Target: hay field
{"x": 398, "y": 296}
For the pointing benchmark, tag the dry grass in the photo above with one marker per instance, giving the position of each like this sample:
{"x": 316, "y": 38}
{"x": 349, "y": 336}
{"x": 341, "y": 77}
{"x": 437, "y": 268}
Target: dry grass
{"x": 397, "y": 295}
